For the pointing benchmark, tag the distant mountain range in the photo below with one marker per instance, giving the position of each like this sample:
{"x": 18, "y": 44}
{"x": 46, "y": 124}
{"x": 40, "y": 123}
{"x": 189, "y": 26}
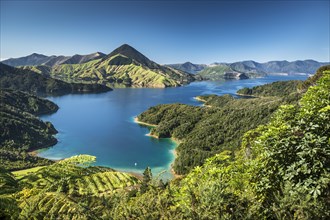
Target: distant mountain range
{"x": 250, "y": 68}
{"x": 40, "y": 59}
{"x": 123, "y": 67}
{"x": 126, "y": 67}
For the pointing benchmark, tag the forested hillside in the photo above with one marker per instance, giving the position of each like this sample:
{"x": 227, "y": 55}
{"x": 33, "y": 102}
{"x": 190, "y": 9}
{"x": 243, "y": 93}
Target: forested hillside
{"x": 279, "y": 170}
{"x": 21, "y": 130}
{"x": 220, "y": 125}
{"x": 280, "y": 88}
{"x": 30, "y": 81}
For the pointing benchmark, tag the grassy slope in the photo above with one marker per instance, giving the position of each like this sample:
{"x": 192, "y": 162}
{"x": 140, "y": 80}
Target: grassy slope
{"x": 215, "y": 72}
{"x": 67, "y": 189}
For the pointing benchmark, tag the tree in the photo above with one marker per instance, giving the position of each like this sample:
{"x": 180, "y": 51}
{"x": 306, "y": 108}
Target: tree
{"x": 147, "y": 177}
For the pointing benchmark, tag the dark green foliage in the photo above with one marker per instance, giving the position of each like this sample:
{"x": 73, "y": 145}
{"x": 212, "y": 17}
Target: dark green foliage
{"x": 312, "y": 80}
{"x": 17, "y": 159}
{"x": 26, "y": 102}
{"x": 280, "y": 88}
{"x": 20, "y": 127}
{"x": 214, "y": 100}
{"x": 291, "y": 174}
{"x": 29, "y": 81}
{"x": 205, "y": 131}
{"x": 22, "y": 131}
{"x": 147, "y": 177}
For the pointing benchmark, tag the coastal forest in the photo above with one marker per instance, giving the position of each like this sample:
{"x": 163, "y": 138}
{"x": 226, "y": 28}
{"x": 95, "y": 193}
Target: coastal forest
{"x": 263, "y": 154}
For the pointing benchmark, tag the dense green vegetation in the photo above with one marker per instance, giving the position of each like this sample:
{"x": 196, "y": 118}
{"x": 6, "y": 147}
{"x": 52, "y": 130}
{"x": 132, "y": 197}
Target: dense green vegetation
{"x": 125, "y": 66}
{"x": 204, "y": 132}
{"x": 279, "y": 170}
{"x": 280, "y": 88}
{"x": 69, "y": 189}
{"x": 20, "y": 126}
{"x": 21, "y": 130}
{"x": 311, "y": 81}
{"x": 30, "y": 81}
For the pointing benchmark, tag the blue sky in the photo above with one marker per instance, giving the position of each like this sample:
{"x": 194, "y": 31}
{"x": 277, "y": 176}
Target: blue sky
{"x": 169, "y": 31}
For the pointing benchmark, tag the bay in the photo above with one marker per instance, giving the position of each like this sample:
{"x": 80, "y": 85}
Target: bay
{"x": 102, "y": 124}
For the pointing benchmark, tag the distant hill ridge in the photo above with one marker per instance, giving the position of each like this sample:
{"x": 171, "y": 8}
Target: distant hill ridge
{"x": 189, "y": 67}
{"x": 251, "y": 68}
{"x": 40, "y": 59}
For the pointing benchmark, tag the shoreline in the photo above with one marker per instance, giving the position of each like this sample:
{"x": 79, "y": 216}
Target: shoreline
{"x": 199, "y": 99}
{"x": 174, "y": 152}
{"x": 136, "y": 120}
{"x": 35, "y": 153}
{"x": 203, "y": 101}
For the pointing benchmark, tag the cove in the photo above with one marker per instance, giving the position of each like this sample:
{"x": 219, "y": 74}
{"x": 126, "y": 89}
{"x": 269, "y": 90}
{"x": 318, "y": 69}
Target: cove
{"x": 103, "y": 124}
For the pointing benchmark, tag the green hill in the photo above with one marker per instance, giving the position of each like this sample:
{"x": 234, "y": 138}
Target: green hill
{"x": 218, "y": 71}
{"x": 215, "y": 72}
{"x": 206, "y": 131}
{"x": 30, "y": 81}
{"x": 125, "y": 66}
{"x": 21, "y": 130}
{"x": 280, "y": 88}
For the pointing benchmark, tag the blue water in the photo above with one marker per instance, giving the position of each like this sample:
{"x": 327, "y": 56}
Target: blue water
{"x": 102, "y": 124}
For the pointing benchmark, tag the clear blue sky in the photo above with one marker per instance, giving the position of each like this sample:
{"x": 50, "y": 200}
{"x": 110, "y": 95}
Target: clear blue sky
{"x": 169, "y": 31}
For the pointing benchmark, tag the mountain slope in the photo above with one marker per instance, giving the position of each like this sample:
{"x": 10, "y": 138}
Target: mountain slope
{"x": 215, "y": 72}
{"x": 29, "y": 81}
{"x": 19, "y": 124}
{"x": 39, "y": 59}
{"x": 33, "y": 59}
{"x": 125, "y": 66}
{"x": 22, "y": 131}
{"x": 188, "y": 67}
{"x": 78, "y": 59}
